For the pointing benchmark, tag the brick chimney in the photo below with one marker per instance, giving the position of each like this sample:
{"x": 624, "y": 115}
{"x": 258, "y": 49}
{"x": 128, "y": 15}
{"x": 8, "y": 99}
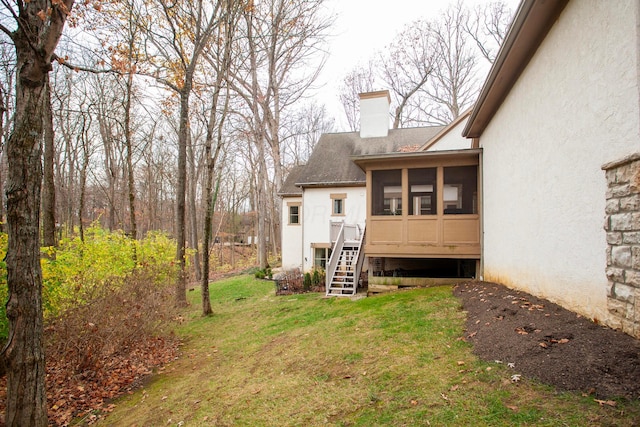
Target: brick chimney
{"x": 374, "y": 114}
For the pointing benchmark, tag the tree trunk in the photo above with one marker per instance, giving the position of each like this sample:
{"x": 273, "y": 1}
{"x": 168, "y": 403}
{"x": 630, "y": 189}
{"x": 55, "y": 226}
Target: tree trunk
{"x": 181, "y": 282}
{"x": 193, "y": 212}
{"x": 83, "y": 177}
{"x": 24, "y": 355}
{"x": 49, "y": 192}
{"x": 130, "y": 172}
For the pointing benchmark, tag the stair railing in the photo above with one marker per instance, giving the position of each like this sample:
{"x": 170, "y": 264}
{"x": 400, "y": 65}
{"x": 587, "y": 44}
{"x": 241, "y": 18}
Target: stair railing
{"x": 333, "y": 259}
{"x": 360, "y": 255}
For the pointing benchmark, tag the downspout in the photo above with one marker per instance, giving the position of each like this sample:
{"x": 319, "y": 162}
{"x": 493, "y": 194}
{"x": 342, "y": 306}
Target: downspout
{"x": 303, "y": 227}
{"x": 480, "y": 273}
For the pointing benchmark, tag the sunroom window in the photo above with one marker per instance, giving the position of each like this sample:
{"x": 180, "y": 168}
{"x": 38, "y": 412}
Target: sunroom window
{"x": 386, "y": 192}
{"x": 422, "y": 191}
{"x": 460, "y": 191}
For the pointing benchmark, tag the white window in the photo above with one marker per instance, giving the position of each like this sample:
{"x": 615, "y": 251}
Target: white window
{"x": 294, "y": 214}
{"x": 337, "y": 203}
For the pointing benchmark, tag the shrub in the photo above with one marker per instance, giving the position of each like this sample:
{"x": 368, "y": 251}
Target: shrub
{"x": 307, "y": 282}
{"x": 289, "y": 282}
{"x": 75, "y": 273}
{"x": 117, "y": 317}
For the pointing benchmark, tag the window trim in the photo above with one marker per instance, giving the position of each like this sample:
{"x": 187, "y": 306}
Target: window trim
{"x": 326, "y": 247}
{"x": 294, "y": 205}
{"x": 342, "y": 197}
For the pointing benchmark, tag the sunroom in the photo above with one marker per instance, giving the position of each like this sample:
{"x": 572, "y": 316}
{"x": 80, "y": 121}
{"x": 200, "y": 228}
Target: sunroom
{"x": 423, "y": 214}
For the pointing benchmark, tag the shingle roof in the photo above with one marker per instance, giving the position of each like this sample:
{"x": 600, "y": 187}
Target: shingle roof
{"x": 331, "y": 164}
{"x": 289, "y": 187}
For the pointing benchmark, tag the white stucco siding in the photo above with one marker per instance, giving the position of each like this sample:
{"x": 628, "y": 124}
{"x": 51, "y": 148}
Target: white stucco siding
{"x": 574, "y": 108}
{"x": 452, "y": 140}
{"x": 292, "y": 254}
{"x": 317, "y": 212}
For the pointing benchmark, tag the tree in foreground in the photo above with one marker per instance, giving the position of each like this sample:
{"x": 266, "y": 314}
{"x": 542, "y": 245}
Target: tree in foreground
{"x": 39, "y": 25}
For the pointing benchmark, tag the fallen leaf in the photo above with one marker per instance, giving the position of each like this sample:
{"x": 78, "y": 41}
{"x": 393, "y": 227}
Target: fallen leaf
{"x": 611, "y": 403}
{"x": 544, "y": 345}
{"x": 460, "y": 362}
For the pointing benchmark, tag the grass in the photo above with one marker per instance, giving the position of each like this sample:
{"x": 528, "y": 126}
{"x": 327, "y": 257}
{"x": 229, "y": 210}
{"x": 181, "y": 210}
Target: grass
{"x": 303, "y": 360}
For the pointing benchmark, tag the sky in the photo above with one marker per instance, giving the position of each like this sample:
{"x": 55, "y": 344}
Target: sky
{"x": 364, "y": 26}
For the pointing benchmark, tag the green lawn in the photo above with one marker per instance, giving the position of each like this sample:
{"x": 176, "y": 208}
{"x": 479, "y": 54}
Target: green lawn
{"x": 303, "y": 360}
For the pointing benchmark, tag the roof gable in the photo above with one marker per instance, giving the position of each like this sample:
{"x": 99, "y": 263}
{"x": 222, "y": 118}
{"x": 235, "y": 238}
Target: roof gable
{"x": 450, "y": 137}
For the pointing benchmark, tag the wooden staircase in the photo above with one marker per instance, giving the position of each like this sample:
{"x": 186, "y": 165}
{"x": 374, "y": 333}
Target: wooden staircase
{"x": 345, "y": 264}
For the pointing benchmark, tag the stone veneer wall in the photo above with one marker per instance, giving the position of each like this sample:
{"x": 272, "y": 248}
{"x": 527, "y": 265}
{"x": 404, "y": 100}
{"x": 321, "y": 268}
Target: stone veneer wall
{"x": 622, "y": 224}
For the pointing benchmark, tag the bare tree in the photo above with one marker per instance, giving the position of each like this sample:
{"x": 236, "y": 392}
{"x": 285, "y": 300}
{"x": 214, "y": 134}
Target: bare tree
{"x": 282, "y": 39}
{"x": 488, "y": 26}
{"x": 359, "y": 80}
{"x": 455, "y": 82}
{"x": 35, "y": 37}
{"x": 179, "y": 33}
{"x": 406, "y": 66}
{"x": 302, "y": 129}
{"x": 220, "y": 59}
{"x": 432, "y": 67}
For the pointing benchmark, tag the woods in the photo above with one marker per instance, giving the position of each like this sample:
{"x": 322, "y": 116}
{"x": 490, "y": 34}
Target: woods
{"x": 433, "y": 68}
{"x": 182, "y": 118}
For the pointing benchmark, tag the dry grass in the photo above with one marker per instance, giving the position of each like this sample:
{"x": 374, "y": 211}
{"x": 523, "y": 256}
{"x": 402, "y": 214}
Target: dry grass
{"x": 304, "y": 360}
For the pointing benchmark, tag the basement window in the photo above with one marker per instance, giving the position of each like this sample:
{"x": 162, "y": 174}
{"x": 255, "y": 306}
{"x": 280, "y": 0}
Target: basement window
{"x": 460, "y": 191}
{"x": 386, "y": 191}
{"x": 321, "y": 257}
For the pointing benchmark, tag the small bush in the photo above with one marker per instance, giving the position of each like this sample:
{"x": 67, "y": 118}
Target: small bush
{"x": 316, "y": 278}
{"x": 289, "y": 282}
{"x": 112, "y": 323}
{"x": 307, "y": 282}
{"x": 294, "y": 282}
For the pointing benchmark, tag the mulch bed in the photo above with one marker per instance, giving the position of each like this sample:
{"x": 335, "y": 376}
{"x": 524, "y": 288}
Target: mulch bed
{"x": 548, "y": 343}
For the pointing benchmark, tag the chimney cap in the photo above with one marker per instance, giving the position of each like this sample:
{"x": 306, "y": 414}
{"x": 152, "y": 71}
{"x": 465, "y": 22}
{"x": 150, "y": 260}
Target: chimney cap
{"x": 376, "y": 94}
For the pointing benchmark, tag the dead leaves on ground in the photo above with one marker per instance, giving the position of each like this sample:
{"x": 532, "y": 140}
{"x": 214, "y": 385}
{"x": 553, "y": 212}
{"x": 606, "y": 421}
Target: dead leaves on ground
{"x": 80, "y": 395}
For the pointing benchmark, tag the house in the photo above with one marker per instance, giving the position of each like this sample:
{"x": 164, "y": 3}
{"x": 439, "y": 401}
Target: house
{"x": 561, "y": 103}
{"x": 405, "y": 198}
{"x": 543, "y": 196}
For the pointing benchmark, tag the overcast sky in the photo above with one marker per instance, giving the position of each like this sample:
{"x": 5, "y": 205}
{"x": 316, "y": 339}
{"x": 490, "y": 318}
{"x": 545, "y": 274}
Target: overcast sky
{"x": 364, "y": 26}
